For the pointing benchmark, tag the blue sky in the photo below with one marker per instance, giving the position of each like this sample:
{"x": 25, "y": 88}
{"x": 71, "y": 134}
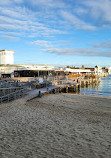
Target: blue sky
{"x": 58, "y": 32}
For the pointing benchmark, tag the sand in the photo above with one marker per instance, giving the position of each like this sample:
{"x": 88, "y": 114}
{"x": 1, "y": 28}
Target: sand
{"x": 56, "y": 126}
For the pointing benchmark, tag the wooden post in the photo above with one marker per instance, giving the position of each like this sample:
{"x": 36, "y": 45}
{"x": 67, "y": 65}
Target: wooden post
{"x": 39, "y": 95}
{"x": 48, "y": 90}
{"x": 67, "y": 89}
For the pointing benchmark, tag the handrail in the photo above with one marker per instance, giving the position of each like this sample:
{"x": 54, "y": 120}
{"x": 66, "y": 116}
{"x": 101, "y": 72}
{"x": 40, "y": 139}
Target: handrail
{"x": 13, "y": 95}
{"x": 11, "y": 88}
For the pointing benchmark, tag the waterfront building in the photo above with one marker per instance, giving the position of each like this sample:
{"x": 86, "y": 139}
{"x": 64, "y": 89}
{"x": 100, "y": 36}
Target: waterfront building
{"x": 101, "y": 71}
{"x": 17, "y": 70}
{"x": 6, "y": 57}
{"x": 9, "y": 69}
{"x": 35, "y": 71}
{"x": 79, "y": 71}
{"x": 109, "y": 70}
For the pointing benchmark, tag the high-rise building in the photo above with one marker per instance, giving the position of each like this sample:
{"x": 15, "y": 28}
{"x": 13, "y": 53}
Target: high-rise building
{"x": 6, "y": 57}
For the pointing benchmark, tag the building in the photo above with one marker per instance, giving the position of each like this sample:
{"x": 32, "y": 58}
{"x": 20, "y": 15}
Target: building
{"x": 98, "y": 70}
{"x": 26, "y": 70}
{"x": 79, "y": 71}
{"x": 102, "y": 71}
{"x": 35, "y": 71}
{"x": 6, "y": 57}
{"x": 109, "y": 70}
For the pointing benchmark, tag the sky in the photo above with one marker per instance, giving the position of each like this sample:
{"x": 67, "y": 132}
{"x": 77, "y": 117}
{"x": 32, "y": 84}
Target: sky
{"x": 57, "y": 32}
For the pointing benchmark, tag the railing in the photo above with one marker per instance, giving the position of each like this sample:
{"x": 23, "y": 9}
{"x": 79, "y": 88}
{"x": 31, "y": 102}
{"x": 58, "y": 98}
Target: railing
{"x": 14, "y": 95}
{"x": 5, "y": 91}
{"x": 11, "y": 89}
{"x": 7, "y": 83}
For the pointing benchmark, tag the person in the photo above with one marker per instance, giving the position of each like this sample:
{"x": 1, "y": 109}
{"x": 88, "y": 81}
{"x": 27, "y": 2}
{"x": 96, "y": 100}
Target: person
{"x": 77, "y": 80}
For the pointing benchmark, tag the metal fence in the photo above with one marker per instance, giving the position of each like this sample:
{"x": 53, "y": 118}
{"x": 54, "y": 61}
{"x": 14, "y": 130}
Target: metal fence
{"x": 13, "y": 95}
{"x": 10, "y": 90}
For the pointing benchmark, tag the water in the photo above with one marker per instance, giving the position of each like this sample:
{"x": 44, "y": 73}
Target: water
{"x": 102, "y": 89}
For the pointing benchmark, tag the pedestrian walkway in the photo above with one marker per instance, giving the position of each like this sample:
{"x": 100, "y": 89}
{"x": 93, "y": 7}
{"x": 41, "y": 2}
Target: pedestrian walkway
{"x": 34, "y": 93}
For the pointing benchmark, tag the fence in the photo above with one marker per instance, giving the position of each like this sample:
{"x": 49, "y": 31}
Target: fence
{"x": 13, "y": 95}
{"x": 10, "y": 90}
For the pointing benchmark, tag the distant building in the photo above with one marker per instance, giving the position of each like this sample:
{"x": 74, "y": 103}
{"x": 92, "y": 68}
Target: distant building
{"x": 98, "y": 70}
{"x": 34, "y": 71}
{"x": 26, "y": 70}
{"x": 79, "y": 71}
{"x": 109, "y": 70}
{"x": 101, "y": 71}
{"x": 6, "y": 57}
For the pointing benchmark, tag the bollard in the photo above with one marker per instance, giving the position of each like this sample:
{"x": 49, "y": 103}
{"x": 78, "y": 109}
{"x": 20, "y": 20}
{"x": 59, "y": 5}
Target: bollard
{"x": 86, "y": 84}
{"x": 67, "y": 89}
{"x": 59, "y": 90}
{"x": 53, "y": 91}
{"x": 78, "y": 87}
{"x": 40, "y": 95}
{"x": 48, "y": 90}
{"x": 74, "y": 88}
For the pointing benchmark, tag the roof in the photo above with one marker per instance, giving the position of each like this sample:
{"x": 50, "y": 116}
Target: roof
{"x": 3, "y": 50}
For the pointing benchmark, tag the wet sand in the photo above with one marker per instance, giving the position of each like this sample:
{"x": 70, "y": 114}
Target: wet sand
{"x": 56, "y": 126}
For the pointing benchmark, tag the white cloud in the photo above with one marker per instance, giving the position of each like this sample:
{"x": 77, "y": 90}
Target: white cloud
{"x": 49, "y": 3}
{"x": 10, "y": 33}
{"x": 99, "y": 9}
{"x": 42, "y": 43}
{"x": 25, "y": 21}
{"x": 10, "y": 27}
{"x": 76, "y": 22}
{"x": 106, "y": 44}
{"x": 79, "y": 52}
{"x": 7, "y": 2}
{"x": 49, "y": 18}
{"x": 80, "y": 10}
{"x": 10, "y": 38}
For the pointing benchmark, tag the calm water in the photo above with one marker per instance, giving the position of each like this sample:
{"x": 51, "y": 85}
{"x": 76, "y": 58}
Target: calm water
{"x": 103, "y": 89}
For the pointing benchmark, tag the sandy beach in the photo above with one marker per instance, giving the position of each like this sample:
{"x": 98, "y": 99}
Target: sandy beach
{"x": 56, "y": 126}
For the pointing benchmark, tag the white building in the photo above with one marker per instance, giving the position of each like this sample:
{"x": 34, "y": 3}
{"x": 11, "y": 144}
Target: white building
{"x": 109, "y": 70}
{"x": 79, "y": 71}
{"x": 6, "y": 57}
{"x": 101, "y": 71}
{"x": 98, "y": 70}
{"x": 37, "y": 67}
{"x": 8, "y": 70}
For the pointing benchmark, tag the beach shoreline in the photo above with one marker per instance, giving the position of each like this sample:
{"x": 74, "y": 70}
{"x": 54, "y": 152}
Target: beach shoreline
{"x": 56, "y": 125}
{"x": 90, "y": 95}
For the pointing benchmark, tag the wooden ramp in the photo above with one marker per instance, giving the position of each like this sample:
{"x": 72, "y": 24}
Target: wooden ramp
{"x": 35, "y": 93}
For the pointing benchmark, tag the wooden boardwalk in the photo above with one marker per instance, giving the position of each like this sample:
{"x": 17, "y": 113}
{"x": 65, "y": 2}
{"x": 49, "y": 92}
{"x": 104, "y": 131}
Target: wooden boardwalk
{"x": 35, "y": 93}
{"x": 12, "y": 93}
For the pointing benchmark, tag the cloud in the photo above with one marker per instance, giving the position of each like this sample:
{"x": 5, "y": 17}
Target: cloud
{"x": 10, "y": 38}
{"x": 79, "y": 52}
{"x": 42, "y": 43}
{"x": 41, "y": 18}
{"x": 25, "y": 21}
{"x": 8, "y": 2}
{"x": 13, "y": 35}
{"x": 9, "y": 27}
{"x": 99, "y": 10}
{"x": 76, "y": 22}
{"x": 48, "y": 4}
{"x": 106, "y": 44}
{"x": 80, "y": 10}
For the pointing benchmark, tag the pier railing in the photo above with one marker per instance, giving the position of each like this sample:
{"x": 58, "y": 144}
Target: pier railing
{"x": 11, "y": 89}
{"x": 9, "y": 95}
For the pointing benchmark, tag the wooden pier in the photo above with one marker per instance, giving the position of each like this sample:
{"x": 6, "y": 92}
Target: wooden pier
{"x": 11, "y": 91}
{"x": 75, "y": 87}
